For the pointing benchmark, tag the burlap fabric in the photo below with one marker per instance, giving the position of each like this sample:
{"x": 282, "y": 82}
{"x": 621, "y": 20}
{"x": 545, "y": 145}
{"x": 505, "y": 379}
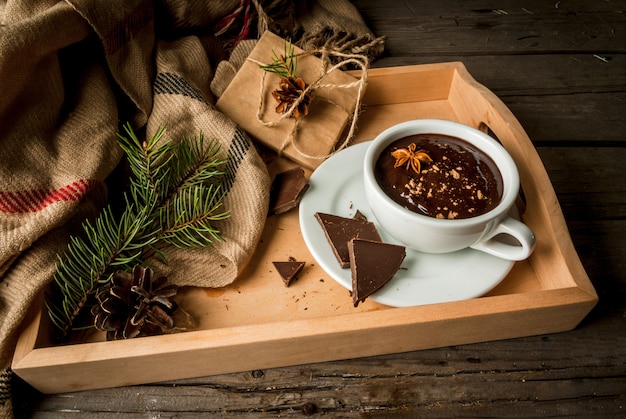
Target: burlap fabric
{"x": 72, "y": 71}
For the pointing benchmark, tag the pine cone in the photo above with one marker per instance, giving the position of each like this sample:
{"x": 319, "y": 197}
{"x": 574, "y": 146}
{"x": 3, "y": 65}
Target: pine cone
{"x": 288, "y": 92}
{"x": 135, "y": 305}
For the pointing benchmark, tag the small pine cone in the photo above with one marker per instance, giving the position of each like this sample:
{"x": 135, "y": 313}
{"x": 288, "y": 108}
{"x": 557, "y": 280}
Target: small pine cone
{"x": 289, "y": 91}
{"x": 135, "y": 305}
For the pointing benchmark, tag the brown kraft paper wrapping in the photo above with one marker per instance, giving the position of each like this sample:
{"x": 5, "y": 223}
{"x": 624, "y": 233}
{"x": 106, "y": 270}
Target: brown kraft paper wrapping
{"x": 248, "y": 101}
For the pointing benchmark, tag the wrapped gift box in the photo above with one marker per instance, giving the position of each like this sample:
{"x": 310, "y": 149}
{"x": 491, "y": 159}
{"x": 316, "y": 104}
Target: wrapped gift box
{"x": 248, "y": 101}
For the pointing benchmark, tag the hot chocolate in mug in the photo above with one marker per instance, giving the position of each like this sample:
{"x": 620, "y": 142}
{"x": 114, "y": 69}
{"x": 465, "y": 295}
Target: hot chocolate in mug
{"x": 454, "y": 188}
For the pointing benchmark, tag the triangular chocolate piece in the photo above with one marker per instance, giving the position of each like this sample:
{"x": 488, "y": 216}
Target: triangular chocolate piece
{"x": 289, "y": 271}
{"x": 359, "y": 216}
{"x": 372, "y": 264}
{"x": 340, "y": 230}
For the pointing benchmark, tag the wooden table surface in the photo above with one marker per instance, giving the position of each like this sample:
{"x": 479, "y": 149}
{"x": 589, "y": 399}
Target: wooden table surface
{"x": 560, "y": 66}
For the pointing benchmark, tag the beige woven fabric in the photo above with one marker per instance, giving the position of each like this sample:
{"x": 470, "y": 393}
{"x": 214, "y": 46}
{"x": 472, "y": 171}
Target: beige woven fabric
{"x": 70, "y": 73}
{"x": 57, "y": 122}
{"x": 179, "y": 103}
{"x": 338, "y": 25}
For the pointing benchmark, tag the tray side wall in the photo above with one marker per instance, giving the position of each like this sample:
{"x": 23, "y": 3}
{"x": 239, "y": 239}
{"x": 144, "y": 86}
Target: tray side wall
{"x": 479, "y": 107}
{"x": 192, "y": 354}
{"x": 407, "y": 84}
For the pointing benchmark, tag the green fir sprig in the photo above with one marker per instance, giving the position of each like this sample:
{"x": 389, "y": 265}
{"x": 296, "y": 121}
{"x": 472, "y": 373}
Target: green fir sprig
{"x": 285, "y": 65}
{"x": 175, "y": 196}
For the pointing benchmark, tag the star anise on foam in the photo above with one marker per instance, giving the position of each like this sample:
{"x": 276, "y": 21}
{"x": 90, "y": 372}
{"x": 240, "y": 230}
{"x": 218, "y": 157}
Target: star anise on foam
{"x": 290, "y": 90}
{"x": 409, "y": 158}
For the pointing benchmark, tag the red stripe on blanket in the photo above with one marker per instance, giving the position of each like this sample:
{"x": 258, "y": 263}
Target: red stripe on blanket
{"x": 37, "y": 199}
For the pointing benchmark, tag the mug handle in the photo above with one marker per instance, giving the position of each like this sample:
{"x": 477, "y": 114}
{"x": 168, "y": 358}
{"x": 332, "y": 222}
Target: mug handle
{"x": 508, "y": 226}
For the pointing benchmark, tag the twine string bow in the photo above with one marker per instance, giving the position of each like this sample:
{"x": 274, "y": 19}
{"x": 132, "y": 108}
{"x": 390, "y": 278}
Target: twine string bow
{"x": 358, "y": 60}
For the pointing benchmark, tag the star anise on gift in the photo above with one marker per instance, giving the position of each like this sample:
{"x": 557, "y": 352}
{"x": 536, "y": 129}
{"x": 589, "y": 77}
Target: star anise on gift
{"x": 409, "y": 158}
{"x": 135, "y": 305}
{"x": 291, "y": 90}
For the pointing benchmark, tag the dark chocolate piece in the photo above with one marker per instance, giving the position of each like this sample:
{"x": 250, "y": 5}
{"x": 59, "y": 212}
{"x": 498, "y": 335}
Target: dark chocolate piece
{"x": 287, "y": 190}
{"x": 339, "y": 230}
{"x": 372, "y": 265}
{"x": 289, "y": 271}
{"x": 359, "y": 216}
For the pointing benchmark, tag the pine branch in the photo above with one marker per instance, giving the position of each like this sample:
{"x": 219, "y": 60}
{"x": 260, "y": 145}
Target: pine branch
{"x": 194, "y": 200}
{"x": 188, "y": 218}
{"x": 194, "y": 163}
{"x": 148, "y": 161}
{"x": 285, "y": 65}
{"x": 175, "y": 196}
{"x": 108, "y": 245}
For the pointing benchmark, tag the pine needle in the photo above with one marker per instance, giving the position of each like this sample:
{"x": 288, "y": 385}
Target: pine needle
{"x": 285, "y": 65}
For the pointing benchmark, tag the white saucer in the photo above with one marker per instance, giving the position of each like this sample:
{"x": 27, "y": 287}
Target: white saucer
{"x": 336, "y": 187}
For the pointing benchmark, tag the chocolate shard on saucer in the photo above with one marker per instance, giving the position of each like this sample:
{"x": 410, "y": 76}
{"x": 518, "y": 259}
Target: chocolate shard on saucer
{"x": 289, "y": 271}
{"x": 340, "y": 230}
{"x": 372, "y": 265}
{"x": 287, "y": 190}
{"x": 359, "y": 216}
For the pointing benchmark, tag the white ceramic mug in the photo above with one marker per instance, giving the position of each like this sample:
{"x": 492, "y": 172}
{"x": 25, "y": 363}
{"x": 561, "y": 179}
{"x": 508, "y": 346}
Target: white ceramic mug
{"x": 428, "y": 234}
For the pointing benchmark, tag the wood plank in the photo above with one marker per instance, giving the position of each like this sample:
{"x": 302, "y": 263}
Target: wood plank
{"x": 583, "y": 58}
{"x": 589, "y": 181}
{"x": 442, "y": 28}
{"x": 572, "y": 118}
{"x": 601, "y": 247}
{"x": 584, "y": 99}
{"x": 524, "y": 374}
{"x": 431, "y": 396}
{"x": 589, "y": 184}
{"x": 539, "y": 75}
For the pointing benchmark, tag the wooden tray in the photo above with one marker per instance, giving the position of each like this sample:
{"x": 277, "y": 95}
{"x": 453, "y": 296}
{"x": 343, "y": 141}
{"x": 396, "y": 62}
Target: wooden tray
{"x": 259, "y": 323}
